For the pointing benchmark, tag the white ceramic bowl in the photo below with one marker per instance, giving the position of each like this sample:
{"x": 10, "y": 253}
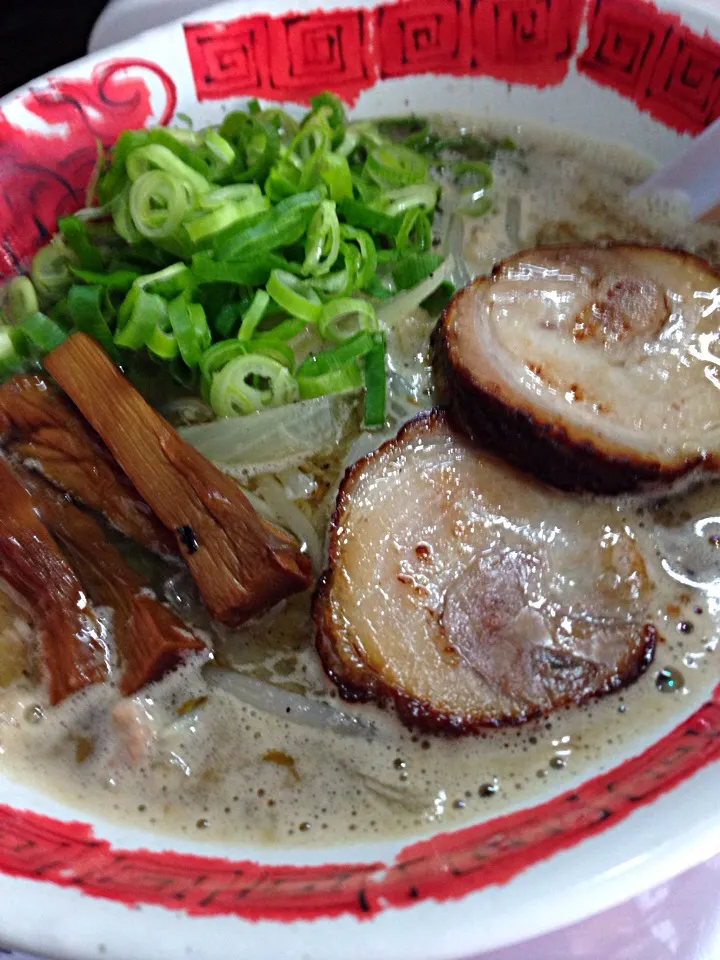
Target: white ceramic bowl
{"x": 619, "y": 69}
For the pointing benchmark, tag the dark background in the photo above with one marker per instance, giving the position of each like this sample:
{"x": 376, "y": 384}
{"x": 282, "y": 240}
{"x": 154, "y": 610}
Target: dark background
{"x": 37, "y": 35}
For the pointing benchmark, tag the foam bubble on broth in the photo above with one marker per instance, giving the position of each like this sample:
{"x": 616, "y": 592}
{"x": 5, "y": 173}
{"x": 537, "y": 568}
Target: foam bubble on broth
{"x": 184, "y": 758}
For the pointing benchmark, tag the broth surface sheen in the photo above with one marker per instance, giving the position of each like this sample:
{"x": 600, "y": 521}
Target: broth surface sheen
{"x": 182, "y": 758}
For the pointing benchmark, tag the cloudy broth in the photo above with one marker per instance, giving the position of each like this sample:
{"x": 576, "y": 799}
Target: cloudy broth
{"x": 186, "y": 758}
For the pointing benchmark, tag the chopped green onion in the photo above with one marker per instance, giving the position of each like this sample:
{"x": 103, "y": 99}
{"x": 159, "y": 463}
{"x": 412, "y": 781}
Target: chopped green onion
{"x": 21, "y": 299}
{"x": 351, "y": 349}
{"x": 10, "y": 361}
{"x": 285, "y": 330}
{"x": 219, "y": 355}
{"x": 37, "y": 334}
{"x": 295, "y": 296}
{"x": 122, "y": 220}
{"x": 415, "y": 231}
{"x": 332, "y": 105}
{"x": 411, "y": 271}
{"x": 209, "y": 224}
{"x": 334, "y": 171}
{"x": 249, "y": 383}
{"x": 120, "y": 280}
{"x": 275, "y": 349}
{"x": 336, "y": 380}
{"x": 75, "y": 234}
{"x": 205, "y": 269}
{"x": 359, "y": 214}
{"x": 437, "y": 301}
{"x": 158, "y": 204}
{"x": 423, "y": 195}
{"x": 227, "y": 320}
{"x": 140, "y": 313}
{"x": 163, "y": 344}
{"x": 475, "y": 177}
{"x": 265, "y": 235}
{"x": 322, "y": 242}
{"x": 393, "y": 165}
{"x": 50, "y": 271}
{"x": 366, "y": 264}
{"x": 86, "y": 312}
{"x": 190, "y": 329}
{"x": 235, "y": 193}
{"x": 375, "y": 383}
{"x": 281, "y": 226}
{"x": 157, "y": 158}
{"x": 219, "y": 149}
{"x": 254, "y": 315}
{"x": 344, "y": 317}
{"x": 257, "y": 144}
{"x": 168, "y": 282}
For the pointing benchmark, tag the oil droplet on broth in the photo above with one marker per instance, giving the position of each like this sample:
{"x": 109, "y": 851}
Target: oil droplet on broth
{"x": 34, "y": 714}
{"x": 489, "y": 789}
{"x": 669, "y": 680}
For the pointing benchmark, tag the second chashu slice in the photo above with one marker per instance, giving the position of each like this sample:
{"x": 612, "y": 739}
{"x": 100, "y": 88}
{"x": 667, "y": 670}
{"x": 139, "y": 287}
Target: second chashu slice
{"x": 470, "y": 594}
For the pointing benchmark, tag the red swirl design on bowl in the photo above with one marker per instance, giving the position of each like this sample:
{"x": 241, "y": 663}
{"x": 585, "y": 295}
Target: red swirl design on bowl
{"x": 43, "y": 173}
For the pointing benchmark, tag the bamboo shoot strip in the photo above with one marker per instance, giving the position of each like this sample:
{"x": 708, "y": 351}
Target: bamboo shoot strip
{"x": 38, "y": 425}
{"x": 150, "y": 638}
{"x": 72, "y": 648}
{"x": 241, "y": 564}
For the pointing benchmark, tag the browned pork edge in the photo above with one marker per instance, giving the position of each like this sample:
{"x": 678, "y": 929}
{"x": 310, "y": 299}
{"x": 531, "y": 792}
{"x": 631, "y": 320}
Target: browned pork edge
{"x": 500, "y": 418}
{"x": 359, "y": 684}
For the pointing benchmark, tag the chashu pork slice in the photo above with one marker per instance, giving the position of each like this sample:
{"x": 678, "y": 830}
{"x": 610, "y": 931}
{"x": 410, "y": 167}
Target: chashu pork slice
{"x": 470, "y": 594}
{"x": 596, "y": 368}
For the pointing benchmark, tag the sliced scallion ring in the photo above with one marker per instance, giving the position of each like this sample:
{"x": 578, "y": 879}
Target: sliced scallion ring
{"x": 249, "y": 383}
{"x": 158, "y": 204}
{"x": 375, "y": 383}
{"x": 162, "y": 344}
{"x": 219, "y": 355}
{"x": 366, "y": 262}
{"x": 322, "y": 241}
{"x": 155, "y": 156}
{"x": 234, "y": 193}
{"x": 50, "y": 271}
{"x": 295, "y": 296}
{"x": 219, "y": 149}
{"x": 85, "y": 305}
{"x": 190, "y": 329}
{"x": 392, "y": 165}
{"x": 21, "y": 299}
{"x": 423, "y": 195}
{"x": 342, "y": 318}
{"x": 139, "y": 314}
{"x": 208, "y": 224}
{"x": 336, "y": 380}
{"x": 254, "y": 315}
{"x": 475, "y": 178}
{"x": 37, "y": 334}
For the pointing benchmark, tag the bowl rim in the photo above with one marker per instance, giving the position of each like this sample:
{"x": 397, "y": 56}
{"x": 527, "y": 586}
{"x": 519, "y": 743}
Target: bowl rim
{"x": 375, "y": 904}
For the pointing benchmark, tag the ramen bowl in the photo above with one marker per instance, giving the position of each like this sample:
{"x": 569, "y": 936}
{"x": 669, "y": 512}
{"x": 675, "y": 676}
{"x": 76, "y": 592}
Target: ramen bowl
{"x": 72, "y": 884}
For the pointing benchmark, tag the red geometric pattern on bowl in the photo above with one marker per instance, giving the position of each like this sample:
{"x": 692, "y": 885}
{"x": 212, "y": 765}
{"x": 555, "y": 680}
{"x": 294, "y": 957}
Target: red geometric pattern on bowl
{"x": 646, "y": 55}
{"x": 653, "y": 59}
